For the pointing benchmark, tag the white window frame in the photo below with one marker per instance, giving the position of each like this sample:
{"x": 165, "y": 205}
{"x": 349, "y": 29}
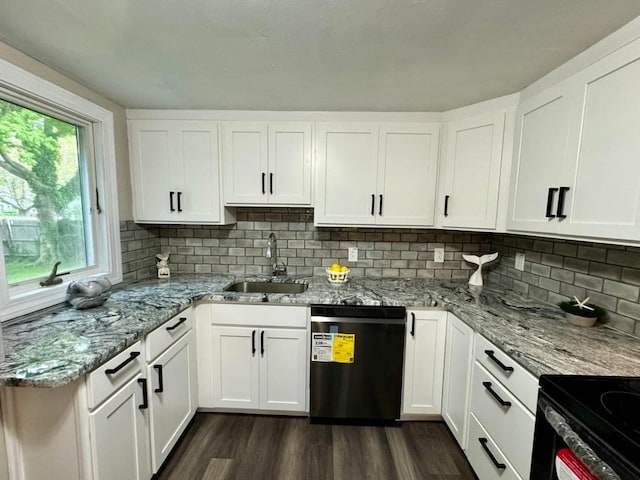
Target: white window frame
{"x": 32, "y": 91}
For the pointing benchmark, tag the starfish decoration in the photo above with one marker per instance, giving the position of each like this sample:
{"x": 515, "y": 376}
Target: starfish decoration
{"x": 583, "y": 304}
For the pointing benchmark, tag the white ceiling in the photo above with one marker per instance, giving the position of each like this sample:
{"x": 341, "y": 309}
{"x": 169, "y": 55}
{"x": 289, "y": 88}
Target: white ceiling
{"x": 382, "y": 55}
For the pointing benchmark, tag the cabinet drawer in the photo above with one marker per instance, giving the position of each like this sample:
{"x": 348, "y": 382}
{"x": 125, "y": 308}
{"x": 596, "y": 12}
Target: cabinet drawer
{"x": 108, "y": 378}
{"x": 512, "y": 375}
{"x": 167, "y": 333}
{"x": 485, "y": 457}
{"x": 263, "y": 315}
{"x": 510, "y": 424}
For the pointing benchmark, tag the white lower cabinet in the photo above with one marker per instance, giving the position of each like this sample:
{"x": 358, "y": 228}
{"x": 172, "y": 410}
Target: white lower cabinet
{"x": 253, "y": 357}
{"x": 458, "y": 362}
{"x": 172, "y": 396}
{"x": 424, "y": 362}
{"x": 119, "y": 439}
{"x": 502, "y": 440}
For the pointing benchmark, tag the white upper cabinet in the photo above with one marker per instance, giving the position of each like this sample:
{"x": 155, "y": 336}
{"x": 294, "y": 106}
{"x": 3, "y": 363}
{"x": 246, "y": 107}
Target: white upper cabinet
{"x": 176, "y": 172}
{"x": 369, "y": 174}
{"x": 471, "y": 177}
{"x": 577, "y": 147}
{"x": 267, "y": 163}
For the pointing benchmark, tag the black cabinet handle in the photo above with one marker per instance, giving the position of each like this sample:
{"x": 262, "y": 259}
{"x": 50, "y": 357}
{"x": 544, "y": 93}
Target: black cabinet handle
{"x": 496, "y": 360}
{"x": 253, "y": 343}
{"x": 446, "y": 205}
{"x": 494, "y": 460}
{"x": 550, "y": 195}
{"x": 177, "y": 324}
{"x": 271, "y": 183}
{"x": 179, "y": 204}
{"x": 561, "y": 197}
{"x": 171, "y": 202}
{"x": 413, "y": 324}
{"x": 160, "y": 388}
{"x": 132, "y": 357}
{"x": 373, "y": 204}
{"x": 262, "y": 343}
{"x": 263, "y": 177}
{"x": 380, "y": 206}
{"x": 493, "y": 393}
{"x": 145, "y": 398}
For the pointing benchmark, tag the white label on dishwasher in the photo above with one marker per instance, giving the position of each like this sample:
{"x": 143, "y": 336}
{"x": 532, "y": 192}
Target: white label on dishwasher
{"x": 321, "y": 347}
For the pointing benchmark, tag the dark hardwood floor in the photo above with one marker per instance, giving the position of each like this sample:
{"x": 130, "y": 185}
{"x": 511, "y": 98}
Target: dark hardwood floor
{"x": 229, "y": 446}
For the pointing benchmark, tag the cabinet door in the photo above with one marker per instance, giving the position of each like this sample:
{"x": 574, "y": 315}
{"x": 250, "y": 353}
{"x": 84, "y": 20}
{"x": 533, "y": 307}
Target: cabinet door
{"x": 346, "y": 173}
{"x": 235, "y": 367}
{"x": 605, "y": 197}
{"x": 424, "y": 362}
{"x": 172, "y": 396}
{"x": 150, "y": 151}
{"x": 119, "y": 436}
{"x": 244, "y": 159}
{"x": 289, "y": 175}
{"x": 199, "y": 194}
{"x": 472, "y": 172}
{"x": 458, "y": 361}
{"x": 407, "y": 174}
{"x": 540, "y": 159}
{"x": 283, "y": 369}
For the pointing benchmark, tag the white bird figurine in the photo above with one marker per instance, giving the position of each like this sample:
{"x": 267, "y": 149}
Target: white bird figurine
{"x": 476, "y": 278}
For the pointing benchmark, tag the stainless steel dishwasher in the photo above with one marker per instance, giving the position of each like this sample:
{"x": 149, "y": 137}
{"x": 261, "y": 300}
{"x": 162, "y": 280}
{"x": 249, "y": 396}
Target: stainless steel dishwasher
{"x": 356, "y": 362}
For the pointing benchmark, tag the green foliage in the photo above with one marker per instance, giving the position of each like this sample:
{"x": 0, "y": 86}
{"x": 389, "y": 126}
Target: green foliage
{"x": 574, "y": 308}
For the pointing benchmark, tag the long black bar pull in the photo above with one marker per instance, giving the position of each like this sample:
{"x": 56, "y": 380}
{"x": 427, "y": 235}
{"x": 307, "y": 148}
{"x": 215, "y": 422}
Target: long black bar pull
{"x": 496, "y": 463}
{"x": 253, "y": 343}
{"x": 380, "y": 206}
{"x": 145, "y": 398}
{"x": 550, "y": 194}
{"x": 561, "y": 197}
{"x": 262, "y": 343}
{"x": 446, "y": 205}
{"x": 413, "y": 324}
{"x": 171, "y": 201}
{"x": 488, "y": 387}
{"x": 179, "y": 199}
{"x": 496, "y": 360}
{"x": 271, "y": 183}
{"x": 132, "y": 357}
{"x": 373, "y": 204}
{"x": 160, "y": 388}
{"x": 263, "y": 177}
{"x": 177, "y": 324}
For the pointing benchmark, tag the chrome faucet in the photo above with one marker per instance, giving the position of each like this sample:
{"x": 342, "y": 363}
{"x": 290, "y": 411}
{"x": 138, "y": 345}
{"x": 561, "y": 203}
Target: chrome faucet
{"x": 272, "y": 252}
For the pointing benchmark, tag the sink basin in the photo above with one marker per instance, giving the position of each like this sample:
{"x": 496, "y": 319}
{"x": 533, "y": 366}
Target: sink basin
{"x": 267, "y": 287}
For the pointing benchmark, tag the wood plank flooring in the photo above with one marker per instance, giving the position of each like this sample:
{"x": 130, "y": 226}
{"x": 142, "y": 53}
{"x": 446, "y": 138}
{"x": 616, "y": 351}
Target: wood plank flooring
{"x": 240, "y": 447}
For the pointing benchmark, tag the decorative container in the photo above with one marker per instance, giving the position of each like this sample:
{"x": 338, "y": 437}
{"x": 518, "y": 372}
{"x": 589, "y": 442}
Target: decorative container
{"x": 337, "y": 277}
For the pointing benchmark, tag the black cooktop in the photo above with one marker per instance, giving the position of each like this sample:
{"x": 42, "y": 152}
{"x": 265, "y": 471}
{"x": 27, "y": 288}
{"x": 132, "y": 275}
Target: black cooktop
{"x": 604, "y": 409}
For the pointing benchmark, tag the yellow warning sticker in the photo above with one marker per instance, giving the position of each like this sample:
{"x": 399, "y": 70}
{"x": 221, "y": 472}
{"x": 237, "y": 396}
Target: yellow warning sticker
{"x": 344, "y": 345}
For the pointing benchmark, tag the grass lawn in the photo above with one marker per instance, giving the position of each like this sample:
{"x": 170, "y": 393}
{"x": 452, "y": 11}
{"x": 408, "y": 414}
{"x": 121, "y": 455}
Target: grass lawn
{"x": 25, "y": 269}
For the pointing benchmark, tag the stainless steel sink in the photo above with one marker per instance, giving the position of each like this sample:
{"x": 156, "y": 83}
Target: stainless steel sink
{"x": 267, "y": 287}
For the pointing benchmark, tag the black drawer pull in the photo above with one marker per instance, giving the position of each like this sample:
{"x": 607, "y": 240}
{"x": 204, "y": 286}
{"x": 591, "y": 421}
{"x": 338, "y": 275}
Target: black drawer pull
{"x": 373, "y": 204}
{"x": 493, "y": 393}
{"x": 160, "y": 388}
{"x": 263, "y": 176}
{"x": 179, "y": 200}
{"x": 171, "y": 202}
{"x": 550, "y": 195}
{"x": 380, "y": 206}
{"x": 494, "y": 460}
{"x": 271, "y": 183}
{"x": 413, "y": 324}
{"x": 494, "y": 359}
{"x": 446, "y": 205}
{"x": 145, "y": 398}
{"x": 561, "y": 196}
{"x": 132, "y": 357}
{"x": 262, "y": 343}
{"x": 177, "y": 324}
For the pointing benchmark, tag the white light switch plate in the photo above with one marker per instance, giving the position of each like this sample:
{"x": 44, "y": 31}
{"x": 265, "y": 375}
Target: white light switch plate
{"x": 353, "y": 254}
{"x": 519, "y": 261}
{"x": 438, "y": 255}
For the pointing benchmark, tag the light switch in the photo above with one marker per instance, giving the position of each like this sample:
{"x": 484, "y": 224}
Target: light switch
{"x": 353, "y": 254}
{"x": 438, "y": 255}
{"x": 519, "y": 261}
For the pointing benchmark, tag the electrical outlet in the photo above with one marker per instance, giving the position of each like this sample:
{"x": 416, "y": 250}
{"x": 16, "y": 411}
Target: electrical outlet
{"x": 438, "y": 255}
{"x": 353, "y": 254}
{"x": 519, "y": 261}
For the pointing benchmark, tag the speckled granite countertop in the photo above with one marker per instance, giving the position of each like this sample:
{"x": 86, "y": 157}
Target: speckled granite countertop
{"x": 55, "y": 349}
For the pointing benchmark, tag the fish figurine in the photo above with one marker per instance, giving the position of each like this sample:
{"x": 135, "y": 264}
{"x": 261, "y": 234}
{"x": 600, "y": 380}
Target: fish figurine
{"x": 476, "y": 277}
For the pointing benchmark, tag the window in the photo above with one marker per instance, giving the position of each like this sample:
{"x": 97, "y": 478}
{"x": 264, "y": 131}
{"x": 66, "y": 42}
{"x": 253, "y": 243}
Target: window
{"x": 57, "y": 192}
